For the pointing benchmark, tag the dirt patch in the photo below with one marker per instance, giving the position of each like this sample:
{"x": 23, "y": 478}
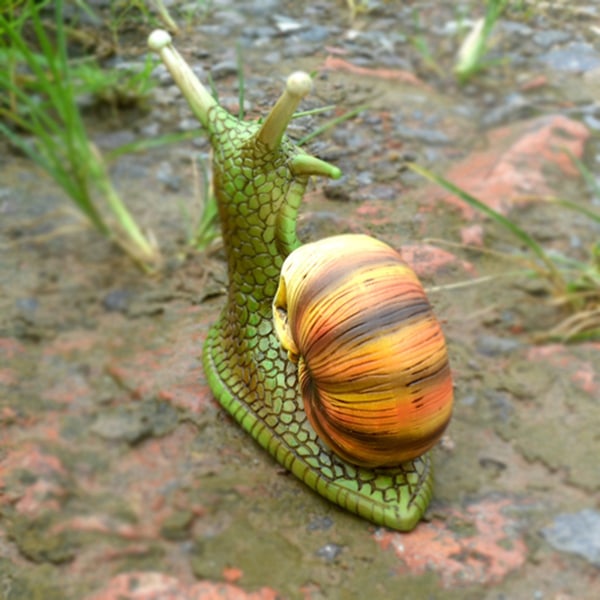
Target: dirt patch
{"x": 116, "y": 465}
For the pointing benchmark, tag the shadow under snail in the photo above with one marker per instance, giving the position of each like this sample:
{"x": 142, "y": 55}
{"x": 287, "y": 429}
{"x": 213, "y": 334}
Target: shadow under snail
{"x": 327, "y": 354}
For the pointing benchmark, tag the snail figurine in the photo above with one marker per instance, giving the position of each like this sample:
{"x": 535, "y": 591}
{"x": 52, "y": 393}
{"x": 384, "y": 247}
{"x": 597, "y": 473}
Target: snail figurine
{"x": 327, "y": 354}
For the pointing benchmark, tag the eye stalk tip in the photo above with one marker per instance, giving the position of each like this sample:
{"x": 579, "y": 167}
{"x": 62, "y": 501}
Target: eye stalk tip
{"x": 158, "y": 39}
{"x": 299, "y": 84}
{"x": 335, "y": 173}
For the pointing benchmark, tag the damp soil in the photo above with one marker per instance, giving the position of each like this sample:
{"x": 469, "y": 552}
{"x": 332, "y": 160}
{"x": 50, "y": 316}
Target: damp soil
{"x": 115, "y": 458}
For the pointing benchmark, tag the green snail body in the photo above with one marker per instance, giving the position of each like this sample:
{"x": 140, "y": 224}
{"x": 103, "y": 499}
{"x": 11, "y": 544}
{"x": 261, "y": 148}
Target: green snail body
{"x": 259, "y": 180}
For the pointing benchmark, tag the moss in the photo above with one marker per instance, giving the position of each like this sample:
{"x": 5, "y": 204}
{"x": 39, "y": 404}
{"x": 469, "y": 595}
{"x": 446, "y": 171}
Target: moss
{"x": 176, "y": 526}
{"x": 33, "y": 583}
{"x": 151, "y": 558}
{"x": 133, "y": 423}
{"x": 38, "y": 540}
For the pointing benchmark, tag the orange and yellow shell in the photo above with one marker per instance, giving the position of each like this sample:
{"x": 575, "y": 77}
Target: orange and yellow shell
{"x": 372, "y": 359}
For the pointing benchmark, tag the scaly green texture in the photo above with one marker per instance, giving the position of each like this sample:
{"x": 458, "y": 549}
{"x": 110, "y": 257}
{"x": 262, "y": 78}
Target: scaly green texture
{"x": 259, "y": 181}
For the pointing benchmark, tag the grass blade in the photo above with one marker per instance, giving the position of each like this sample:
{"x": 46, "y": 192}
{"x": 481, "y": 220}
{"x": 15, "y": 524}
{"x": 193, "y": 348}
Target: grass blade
{"x": 59, "y": 143}
{"x": 329, "y": 124}
{"x": 554, "y": 275}
{"x": 155, "y": 142}
{"x": 241, "y": 81}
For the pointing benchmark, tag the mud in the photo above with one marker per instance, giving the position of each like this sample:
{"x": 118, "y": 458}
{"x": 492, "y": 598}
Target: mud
{"x": 121, "y": 477}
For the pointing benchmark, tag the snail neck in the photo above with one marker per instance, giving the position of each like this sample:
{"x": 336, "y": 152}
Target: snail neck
{"x": 259, "y": 187}
{"x": 258, "y": 198}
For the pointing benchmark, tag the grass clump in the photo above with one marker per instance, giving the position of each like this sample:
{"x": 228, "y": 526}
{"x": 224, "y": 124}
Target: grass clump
{"x": 47, "y": 126}
{"x": 574, "y": 284}
{"x": 471, "y": 55}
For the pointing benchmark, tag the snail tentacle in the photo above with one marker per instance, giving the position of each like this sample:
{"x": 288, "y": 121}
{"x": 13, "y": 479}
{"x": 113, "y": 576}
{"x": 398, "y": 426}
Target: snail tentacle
{"x": 198, "y": 97}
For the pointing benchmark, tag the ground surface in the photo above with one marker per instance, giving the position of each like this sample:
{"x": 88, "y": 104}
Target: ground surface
{"x": 120, "y": 477}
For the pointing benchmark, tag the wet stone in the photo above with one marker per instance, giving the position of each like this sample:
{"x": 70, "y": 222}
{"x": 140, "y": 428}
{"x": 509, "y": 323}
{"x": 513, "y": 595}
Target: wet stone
{"x": 329, "y": 552}
{"x": 576, "y": 533}
{"x": 490, "y": 345}
{"x": 426, "y": 136}
{"x": 339, "y": 190}
{"x": 117, "y": 300}
{"x": 501, "y": 404}
{"x": 575, "y": 57}
{"x": 31, "y": 582}
{"x": 27, "y": 306}
{"x": 224, "y": 69}
{"x": 188, "y": 124}
{"x": 299, "y": 49}
{"x": 37, "y": 541}
{"x": 215, "y": 31}
{"x": 513, "y": 27}
{"x": 133, "y": 423}
{"x": 491, "y": 464}
{"x": 161, "y": 73}
{"x": 285, "y": 25}
{"x": 258, "y": 32}
{"x": 513, "y": 107}
{"x": 152, "y": 129}
{"x": 176, "y": 525}
{"x": 592, "y": 123}
{"x": 550, "y": 37}
{"x": 320, "y": 524}
{"x": 364, "y": 178}
{"x": 381, "y": 192}
{"x": 315, "y": 34}
{"x": 167, "y": 177}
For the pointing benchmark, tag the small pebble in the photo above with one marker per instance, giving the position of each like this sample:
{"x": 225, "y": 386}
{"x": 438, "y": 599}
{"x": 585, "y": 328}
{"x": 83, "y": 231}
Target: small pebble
{"x": 576, "y": 533}
{"x": 117, "y": 300}
{"x": 224, "y": 69}
{"x": 285, "y": 25}
{"x": 491, "y": 345}
{"x": 150, "y": 130}
{"x": 165, "y": 175}
{"x": 501, "y": 404}
{"x": 576, "y": 57}
{"x": 27, "y": 306}
{"x": 315, "y": 34}
{"x": 550, "y": 37}
{"x": 329, "y": 552}
{"x": 320, "y": 524}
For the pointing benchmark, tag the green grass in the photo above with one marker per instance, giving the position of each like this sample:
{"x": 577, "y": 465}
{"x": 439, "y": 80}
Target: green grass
{"x": 471, "y": 57}
{"x": 328, "y": 124}
{"x": 47, "y": 127}
{"x": 117, "y": 88}
{"x": 419, "y": 42}
{"x": 165, "y": 15}
{"x": 40, "y": 88}
{"x": 574, "y": 283}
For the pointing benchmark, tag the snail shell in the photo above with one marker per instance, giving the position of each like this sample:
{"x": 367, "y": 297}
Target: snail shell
{"x": 372, "y": 359}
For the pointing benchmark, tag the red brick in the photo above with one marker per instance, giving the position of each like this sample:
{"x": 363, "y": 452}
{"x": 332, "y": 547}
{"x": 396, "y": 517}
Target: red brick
{"x": 158, "y": 586}
{"x": 515, "y": 162}
{"x": 471, "y": 546}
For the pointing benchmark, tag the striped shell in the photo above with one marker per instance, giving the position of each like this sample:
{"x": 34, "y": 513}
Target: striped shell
{"x": 372, "y": 359}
